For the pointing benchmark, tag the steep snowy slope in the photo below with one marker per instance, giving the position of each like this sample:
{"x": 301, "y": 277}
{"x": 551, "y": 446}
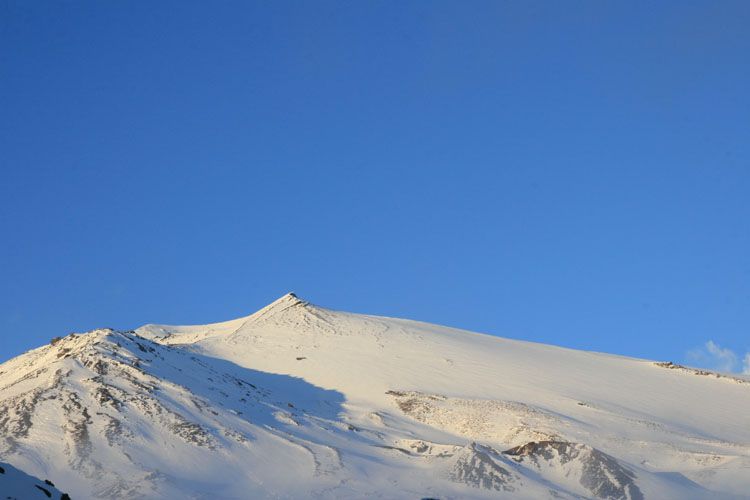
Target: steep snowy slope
{"x": 17, "y": 485}
{"x": 297, "y": 401}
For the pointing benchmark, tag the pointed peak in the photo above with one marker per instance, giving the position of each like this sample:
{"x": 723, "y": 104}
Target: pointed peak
{"x": 289, "y": 299}
{"x": 283, "y": 303}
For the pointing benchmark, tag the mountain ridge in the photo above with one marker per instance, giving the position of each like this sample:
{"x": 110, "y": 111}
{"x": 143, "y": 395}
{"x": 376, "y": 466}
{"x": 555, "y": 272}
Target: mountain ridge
{"x": 353, "y": 405}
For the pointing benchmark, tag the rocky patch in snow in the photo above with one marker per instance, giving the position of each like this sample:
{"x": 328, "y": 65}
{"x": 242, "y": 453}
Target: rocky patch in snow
{"x": 600, "y": 474}
{"x": 497, "y": 420}
{"x": 480, "y": 467}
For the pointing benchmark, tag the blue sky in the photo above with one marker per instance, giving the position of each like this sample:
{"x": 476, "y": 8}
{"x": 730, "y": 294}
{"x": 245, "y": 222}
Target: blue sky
{"x": 576, "y": 174}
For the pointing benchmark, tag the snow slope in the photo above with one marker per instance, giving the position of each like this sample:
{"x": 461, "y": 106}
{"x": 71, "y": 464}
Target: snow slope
{"x": 298, "y": 401}
{"x": 17, "y": 485}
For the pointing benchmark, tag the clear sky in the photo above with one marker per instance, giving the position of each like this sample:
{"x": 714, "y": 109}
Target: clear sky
{"x": 569, "y": 173}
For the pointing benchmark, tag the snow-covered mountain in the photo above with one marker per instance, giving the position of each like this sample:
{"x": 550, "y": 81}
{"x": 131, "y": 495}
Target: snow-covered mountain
{"x": 298, "y": 401}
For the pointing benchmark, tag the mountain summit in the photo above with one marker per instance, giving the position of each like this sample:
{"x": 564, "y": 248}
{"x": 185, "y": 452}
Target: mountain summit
{"x": 282, "y": 303}
{"x": 299, "y": 401}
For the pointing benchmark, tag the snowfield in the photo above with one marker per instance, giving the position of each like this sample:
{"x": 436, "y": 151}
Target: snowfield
{"x": 298, "y": 401}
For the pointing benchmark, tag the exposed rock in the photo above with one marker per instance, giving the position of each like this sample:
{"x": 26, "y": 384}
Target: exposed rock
{"x": 599, "y": 473}
{"x": 696, "y": 371}
{"x": 477, "y": 466}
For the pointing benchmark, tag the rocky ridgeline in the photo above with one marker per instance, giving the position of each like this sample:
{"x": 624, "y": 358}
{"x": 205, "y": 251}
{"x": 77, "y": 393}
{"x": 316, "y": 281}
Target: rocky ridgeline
{"x": 105, "y": 386}
{"x": 697, "y": 371}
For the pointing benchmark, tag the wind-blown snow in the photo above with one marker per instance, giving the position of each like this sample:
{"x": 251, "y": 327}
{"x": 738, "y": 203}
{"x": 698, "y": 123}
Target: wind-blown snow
{"x": 298, "y": 401}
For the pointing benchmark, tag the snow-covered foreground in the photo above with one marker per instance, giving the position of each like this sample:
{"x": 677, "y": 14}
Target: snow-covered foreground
{"x": 297, "y": 401}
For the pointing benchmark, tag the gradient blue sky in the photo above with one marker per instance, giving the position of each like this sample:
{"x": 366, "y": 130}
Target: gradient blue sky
{"x": 570, "y": 173}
